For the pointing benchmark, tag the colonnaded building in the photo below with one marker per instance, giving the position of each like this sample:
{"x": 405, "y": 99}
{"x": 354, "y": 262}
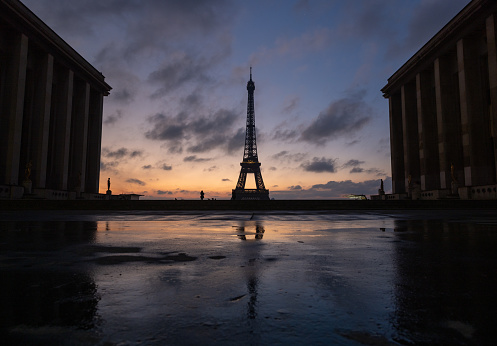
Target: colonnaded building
{"x": 51, "y": 102}
{"x": 443, "y": 112}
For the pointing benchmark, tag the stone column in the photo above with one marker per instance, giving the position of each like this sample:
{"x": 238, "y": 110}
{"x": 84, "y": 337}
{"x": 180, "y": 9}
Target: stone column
{"x": 427, "y": 129}
{"x": 94, "y": 141}
{"x": 492, "y": 73}
{"x": 63, "y": 127}
{"x": 79, "y": 136}
{"x": 474, "y": 114}
{"x": 396, "y": 144}
{"x": 410, "y": 134}
{"x": 17, "y": 84}
{"x": 41, "y": 116}
{"x": 449, "y": 121}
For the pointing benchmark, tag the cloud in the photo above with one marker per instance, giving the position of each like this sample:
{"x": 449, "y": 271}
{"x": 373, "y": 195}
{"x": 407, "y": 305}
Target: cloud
{"x": 166, "y": 167}
{"x": 118, "y": 154}
{"x": 178, "y": 70}
{"x": 295, "y": 187}
{"x": 291, "y": 104}
{"x": 334, "y": 189}
{"x": 199, "y": 134}
{"x": 161, "y": 192}
{"x": 339, "y": 188}
{"x": 320, "y": 165}
{"x": 353, "y": 142}
{"x": 135, "y": 181}
{"x": 147, "y": 167}
{"x": 342, "y": 117}
{"x": 113, "y": 118}
{"x": 353, "y": 163}
{"x": 289, "y": 157}
{"x": 357, "y": 170}
{"x": 226, "y": 179}
{"x": 194, "y": 158}
{"x": 121, "y": 153}
{"x": 124, "y": 95}
{"x": 108, "y": 166}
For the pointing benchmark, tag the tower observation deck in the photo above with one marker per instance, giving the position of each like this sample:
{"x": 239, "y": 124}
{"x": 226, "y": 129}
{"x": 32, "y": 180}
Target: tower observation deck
{"x": 250, "y": 162}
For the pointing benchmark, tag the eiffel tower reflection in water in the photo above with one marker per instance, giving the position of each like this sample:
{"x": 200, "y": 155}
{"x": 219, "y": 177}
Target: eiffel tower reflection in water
{"x": 252, "y": 270}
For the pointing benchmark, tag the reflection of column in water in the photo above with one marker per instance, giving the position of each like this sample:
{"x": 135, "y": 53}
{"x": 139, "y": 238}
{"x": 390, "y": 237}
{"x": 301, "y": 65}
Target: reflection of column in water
{"x": 48, "y": 287}
{"x": 444, "y": 283}
{"x": 252, "y": 280}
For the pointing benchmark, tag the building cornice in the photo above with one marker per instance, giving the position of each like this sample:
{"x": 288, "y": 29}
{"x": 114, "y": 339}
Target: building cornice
{"x": 25, "y": 21}
{"x": 462, "y": 24}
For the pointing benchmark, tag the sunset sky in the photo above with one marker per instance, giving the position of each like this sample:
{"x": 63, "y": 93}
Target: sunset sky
{"x": 174, "y": 123}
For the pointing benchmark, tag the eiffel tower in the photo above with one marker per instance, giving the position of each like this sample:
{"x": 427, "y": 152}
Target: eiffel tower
{"x": 250, "y": 163}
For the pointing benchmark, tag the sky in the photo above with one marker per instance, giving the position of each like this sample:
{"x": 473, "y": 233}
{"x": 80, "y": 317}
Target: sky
{"x": 174, "y": 122}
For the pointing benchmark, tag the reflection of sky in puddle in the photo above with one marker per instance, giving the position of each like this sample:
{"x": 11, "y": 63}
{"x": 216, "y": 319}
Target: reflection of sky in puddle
{"x": 274, "y": 274}
{"x": 252, "y": 278}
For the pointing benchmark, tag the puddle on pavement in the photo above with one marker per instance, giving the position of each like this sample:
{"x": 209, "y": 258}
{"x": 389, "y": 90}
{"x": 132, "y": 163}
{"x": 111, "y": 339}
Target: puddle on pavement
{"x": 224, "y": 279}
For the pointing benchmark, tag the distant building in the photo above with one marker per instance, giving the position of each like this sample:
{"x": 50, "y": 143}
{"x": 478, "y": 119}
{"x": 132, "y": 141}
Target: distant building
{"x": 443, "y": 111}
{"x": 51, "y": 102}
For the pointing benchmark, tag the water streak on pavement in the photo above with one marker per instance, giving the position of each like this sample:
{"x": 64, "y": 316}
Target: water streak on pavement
{"x": 248, "y": 278}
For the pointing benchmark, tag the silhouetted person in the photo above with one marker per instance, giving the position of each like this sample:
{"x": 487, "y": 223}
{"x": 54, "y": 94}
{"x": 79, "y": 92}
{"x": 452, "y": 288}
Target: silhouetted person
{"x": 108, "y": 183}
{"x": 202, "y": 195}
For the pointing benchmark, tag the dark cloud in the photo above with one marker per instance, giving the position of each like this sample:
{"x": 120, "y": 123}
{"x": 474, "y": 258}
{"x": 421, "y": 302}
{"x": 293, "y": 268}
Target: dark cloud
{"x": 135, "y": 181}
{"x": 124, "y": 95}
{"x": 353, "y": 163}
{"x": 108, "y": 166}
{"x": 291, "y": 104}
{"x": 147, "y": 167}
{"x": 335, "y": 189}
{"x": 191, "y": 101}
{"x": 226, "y": 179}
{"x": 342, "y": 117}
{"x": 289, "y": 157}
{"x": 142, "y": 22}
{"x": 286, "y": 135}
{"x": 339, "y": 188}
{"x": 376, "y": 171}
{"x": 194, "y": 158}
{"x": 161, "y": 192}
{"x": 175, "y": 73}
{"x": 166, "y": 167}
{"x": 167, "y": 128}
{"x": 355, "y": 141}
{"x": 118, "y": 154}
{"x": 320, "y": 165}
{"x": 357, "y": 170}
{"x": 113, "y": 118}
{"x": 236, "y": 142}
{"x": 121, "y": 153}
{"x": 295, "y": 187}
{"x": 200, "y": 134}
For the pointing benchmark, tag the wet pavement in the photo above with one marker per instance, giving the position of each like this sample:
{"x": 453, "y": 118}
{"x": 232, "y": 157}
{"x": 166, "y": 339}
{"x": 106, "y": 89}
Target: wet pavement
{"x": 221, "y": 278}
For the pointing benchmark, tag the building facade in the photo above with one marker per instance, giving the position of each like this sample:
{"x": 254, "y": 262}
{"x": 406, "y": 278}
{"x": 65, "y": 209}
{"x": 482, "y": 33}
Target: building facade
{"x": 443, "y": 111}
{"x": 51, "y": 104}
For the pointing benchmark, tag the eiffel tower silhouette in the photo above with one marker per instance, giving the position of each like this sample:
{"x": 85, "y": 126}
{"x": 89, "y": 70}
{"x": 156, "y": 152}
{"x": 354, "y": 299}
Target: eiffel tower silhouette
{"x": 250, "y": 162}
